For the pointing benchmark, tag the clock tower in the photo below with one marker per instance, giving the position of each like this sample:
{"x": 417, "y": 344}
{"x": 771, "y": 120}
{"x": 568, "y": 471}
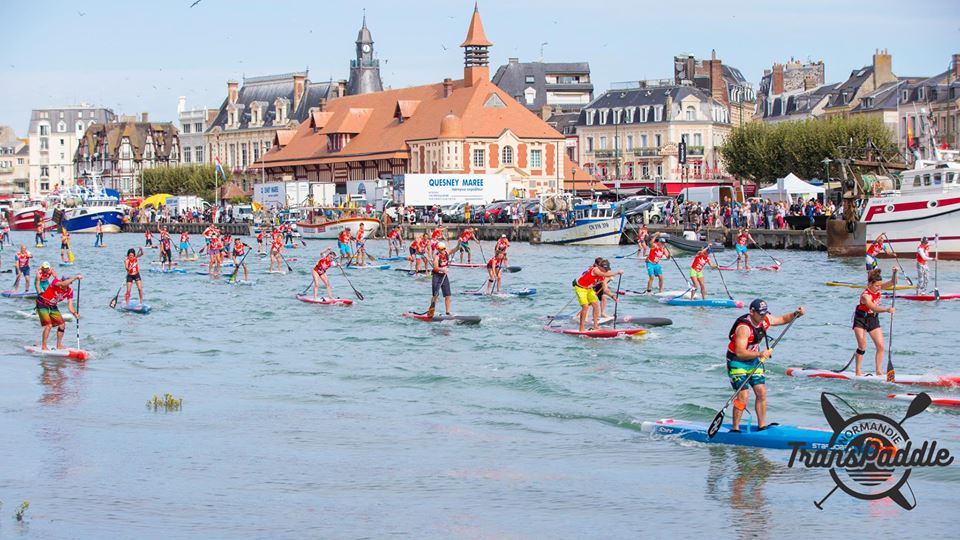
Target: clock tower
{"x": 365, "y": 69}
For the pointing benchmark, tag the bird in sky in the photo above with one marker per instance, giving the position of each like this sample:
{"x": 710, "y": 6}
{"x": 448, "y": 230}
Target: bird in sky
{"x": 195, "y": 3}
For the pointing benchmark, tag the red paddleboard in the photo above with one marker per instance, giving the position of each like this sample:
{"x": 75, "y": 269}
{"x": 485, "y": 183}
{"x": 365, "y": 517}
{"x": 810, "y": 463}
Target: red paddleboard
{"x": 900, "y": 378}
{"x": 942, "y": 400}
{"x": 325, "y": 301}
{"x": 601, "y": 333}
{"x": 774, "y": 268}
{"x": 73, "y": 354}
{"x": 923, "y": 297}
{"x": 463, "y": 319}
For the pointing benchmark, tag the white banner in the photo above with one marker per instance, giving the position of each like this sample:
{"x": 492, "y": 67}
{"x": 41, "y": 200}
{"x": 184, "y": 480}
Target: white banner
{"x": 444, "y": 189}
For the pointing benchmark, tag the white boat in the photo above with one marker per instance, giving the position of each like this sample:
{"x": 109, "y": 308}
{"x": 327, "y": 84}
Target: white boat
{"x": 595, "y": 225}
{"x": 926, "y": 205}
{"x": 330, "y": 230}
{"x": 84, "y": 206}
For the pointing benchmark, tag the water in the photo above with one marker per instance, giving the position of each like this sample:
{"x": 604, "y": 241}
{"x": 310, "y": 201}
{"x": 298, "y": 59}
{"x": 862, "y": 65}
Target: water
{"x": 303, "y": 421}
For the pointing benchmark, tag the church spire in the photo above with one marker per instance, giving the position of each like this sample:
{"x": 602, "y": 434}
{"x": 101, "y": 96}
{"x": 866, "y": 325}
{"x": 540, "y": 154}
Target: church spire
{"x": 475, "y": 51}
{"x": 365, "y": 69}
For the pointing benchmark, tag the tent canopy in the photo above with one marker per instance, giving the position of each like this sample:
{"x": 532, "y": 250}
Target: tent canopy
{"x": 789, "y": 188}
{"x": 155, "y": 200}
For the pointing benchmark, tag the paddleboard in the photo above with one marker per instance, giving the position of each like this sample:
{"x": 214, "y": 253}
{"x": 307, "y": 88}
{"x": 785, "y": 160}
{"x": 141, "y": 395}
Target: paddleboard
{"x": 158, "y": 263}
{"x": 15, "y": 294}
{"x": 777, "y": 437}
{"x": 701, "y": 302}
{"x": 73, "y": 354}
{"x": 391, "y": 258}
{"x": 242, "y": 282}
{"x": 655, "y": 294}
{"x": 461, "y": 319}
{"x": 369, "y": 267}
{"x": 167, "y": 271}
{"x": 864, "y": 285}
{"x": 66, "y": 315}
{"x": 774, "y": 268}
{"x": 941, "y": 400}
{"x": 504, "y": 294}
{"x": 901, "y": 378}
{"x": 65, "y": 263}
{"x": 7, "y": 271}
{"x": 467, "y": 265}
{"x": 194, "y": 258}
{"x": 325, "y": 301}
{"x": 411, "y": 271}
{"x": 644, "y": 321}
{"x": 274, "y": 272}
{"x": 599, "y": 333}
{"x": 923, "y": 297}
{"x": 143, "y": 309}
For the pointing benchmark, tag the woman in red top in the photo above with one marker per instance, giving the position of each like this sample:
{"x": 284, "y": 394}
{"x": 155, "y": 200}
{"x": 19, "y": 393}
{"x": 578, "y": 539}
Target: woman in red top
{"x": 395, "y": 242}
{"x": 876, "y": 248}
{"x": 867, "y": 321}
{"x": 215, "y": 249}
{"x": 132, "y": 265}
{"x": 696, "y": 272}
{"x": 361, "y": 253}
{"x": 275, "y": 247}
{"x": 463, "y": 246}
{"x": 585, "y": 289}
{"x": 495, "y": 271}
{"x": 23, "y": 268}
{"x": 327, "y": 257}
{"x": 239, "y": 248}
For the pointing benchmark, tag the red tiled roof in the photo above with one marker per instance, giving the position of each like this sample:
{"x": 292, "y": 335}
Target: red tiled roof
{"x": 475, "y": 35}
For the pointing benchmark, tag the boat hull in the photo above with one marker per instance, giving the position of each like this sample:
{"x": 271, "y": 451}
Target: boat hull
{"x": 605, "y": 232}
{"x": 84, "y": 220}
{"x": 24, "y": 219}
{"x": 907, "y": 218}
{"x": 331, "y": 229}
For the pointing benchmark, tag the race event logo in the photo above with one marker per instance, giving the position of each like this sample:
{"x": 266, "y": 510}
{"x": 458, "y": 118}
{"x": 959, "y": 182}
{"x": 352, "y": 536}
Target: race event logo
{"x": 870, "y": 455}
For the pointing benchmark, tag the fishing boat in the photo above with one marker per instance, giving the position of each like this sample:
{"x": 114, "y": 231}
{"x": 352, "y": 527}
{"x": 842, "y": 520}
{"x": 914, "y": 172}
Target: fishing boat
{"x": 79, "y": 208}
{"x": 595, "y": 224}
{"x": 683, "y": 244}
{"x": 329, "y": 230}
{"x": 26, "y": 217}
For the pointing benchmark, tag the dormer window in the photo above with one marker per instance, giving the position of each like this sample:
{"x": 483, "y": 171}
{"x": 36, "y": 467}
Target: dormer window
{"x": 590, "y": 116}
{"x": 61, "y": 127}
{"x": 530, "y": 95}
{"x": 336, "y": 141}
{"x": 691, "y": 113}
{"x": 905, "y": 95}
{"x": 603, "y": 117}
{"x": 281, "y": 106}
{"x": 920, "y": 93}
{"x": 630, "y": 112}
{"x": 658, "y": 113}
{"x": 617, "y": 113}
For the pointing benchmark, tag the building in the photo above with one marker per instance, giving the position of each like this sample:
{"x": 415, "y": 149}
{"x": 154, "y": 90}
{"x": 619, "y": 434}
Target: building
{"x": 930, "y": 106}
{"x": 14, "y": 165}
{"x": 860, "y": 83}
{"x": 118, "y": 152}
{"x": 252, "y": 113}
{"x": 546, "y": 88}
{"x": 794, "y": 105}
{"x": 791, "y": 77}
{"x": 725, "y": 84}
{"x": 630, "y": 136}
{"x": 883, "y": 104}
{"x": 193, "y": 123}
{"x": 467, "y": 126}
{"x": 53, "y": 138}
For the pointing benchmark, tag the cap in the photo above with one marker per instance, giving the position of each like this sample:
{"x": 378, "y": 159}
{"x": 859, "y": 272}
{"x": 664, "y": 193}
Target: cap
{"x": 441, "y": 245}
{"x": 605, "y": 264}
{"x": 662, "y": 240}
{"x": 45, "y": 265}
{"x": 503, "y": 236}
{"x": 760, "y": 306}
{"x": 924, "y": 240}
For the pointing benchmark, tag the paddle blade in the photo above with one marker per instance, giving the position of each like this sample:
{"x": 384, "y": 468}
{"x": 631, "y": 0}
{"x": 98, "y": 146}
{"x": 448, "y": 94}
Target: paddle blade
{"x": 919, "y": 404}
{"x": 891, "y": 373}
{"x": 715, "y": 425}
{"x": 430, "y": 312}
{"x": 514, "y": 269}
{"x": 356, "y": 292}
{"x": 830, "y": 413}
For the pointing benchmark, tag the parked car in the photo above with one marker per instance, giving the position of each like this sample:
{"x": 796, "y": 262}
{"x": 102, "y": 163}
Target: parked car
{"x": 452, "y": 213}
{"x": 495, "y": 212}
{"x": 243, "y": 212}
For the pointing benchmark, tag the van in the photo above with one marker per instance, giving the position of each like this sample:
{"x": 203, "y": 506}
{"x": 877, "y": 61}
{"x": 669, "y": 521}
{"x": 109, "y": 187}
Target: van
{"x": 710, "y": 194}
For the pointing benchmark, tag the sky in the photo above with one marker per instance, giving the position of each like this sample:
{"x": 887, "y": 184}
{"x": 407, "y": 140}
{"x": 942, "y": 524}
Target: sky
{"x": 134, "y": 56}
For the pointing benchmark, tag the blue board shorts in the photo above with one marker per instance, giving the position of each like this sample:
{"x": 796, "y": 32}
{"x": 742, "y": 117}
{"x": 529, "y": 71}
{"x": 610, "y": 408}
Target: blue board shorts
{"x": 25, "y": 270}
{"x": 740, "y": 248}
{"x": 344, "y": 248}
{"x": 654, "y": 269}
{"x": 184, "y": 246}
{"x": 737, "y": 370}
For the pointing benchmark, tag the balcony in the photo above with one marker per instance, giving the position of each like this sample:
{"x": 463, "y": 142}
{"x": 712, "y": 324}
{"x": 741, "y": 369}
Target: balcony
{"x": 608, "y": 154}
{"x": 694, "y": 150}
{"x": 647, "y": 151}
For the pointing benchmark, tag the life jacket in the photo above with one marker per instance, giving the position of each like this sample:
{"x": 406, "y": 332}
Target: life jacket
{"x": 443, "y": 261}
{"x": 874, "y": 297}
{"x": 757, "y": 334}
{"x": 588, "y": 279}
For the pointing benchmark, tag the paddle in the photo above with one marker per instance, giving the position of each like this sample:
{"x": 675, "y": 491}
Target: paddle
{"x": 685, "y": 280}
{"x": 891, "y": 374}
{"x": 624, "y": 256}
{"x": 900, "y": 266}
{"x": 355, "y": 291}
{"x": 236, "y": 267}
{"x": 113, "y": 303}
{"x": 284, "y": 259}
{"x": 557, "y": 316}
{"x": 721, "y": 276}
{"x": 616, "y": 301}
{"x": 845, "y": 366}
{"x": 775, "y": 260}
{"x": 78, "y": 314}
{"x": 936, "y": 261}
{"x": 718, "y": 419}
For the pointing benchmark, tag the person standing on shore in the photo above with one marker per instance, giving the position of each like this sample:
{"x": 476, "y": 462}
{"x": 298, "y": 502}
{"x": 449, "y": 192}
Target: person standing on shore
{"x": 701, "y": 260}
{"x": 923, "y": 271}
{"x": 584, "y": 288}
{"x": 866, "y": 319}
{"x": 744, "y": 355}
{"x": 49, "y": 313}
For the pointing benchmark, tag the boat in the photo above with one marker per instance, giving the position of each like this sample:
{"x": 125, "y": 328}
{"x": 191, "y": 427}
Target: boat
{"x": 26, "y": 217}
{"x": 900, "y": 378}
{"x": 595, "y": 224}
{"x": 82, "y": 207}
{"x": 851, "y": 285}
{"x": 941, "y": 400}
{"x": 690, "y": 245}
{"x": 330, "y": 230}
{"x": 777, "y": 437}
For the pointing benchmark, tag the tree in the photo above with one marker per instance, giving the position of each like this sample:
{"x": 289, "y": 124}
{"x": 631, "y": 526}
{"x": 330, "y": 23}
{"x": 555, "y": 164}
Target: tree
{"x": 184, "y": 180}
{"x": 763, "y": 152}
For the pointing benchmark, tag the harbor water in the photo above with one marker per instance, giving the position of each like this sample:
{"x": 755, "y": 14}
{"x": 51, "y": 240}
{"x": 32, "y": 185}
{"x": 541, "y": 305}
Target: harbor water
{"x": 307, "y": 421}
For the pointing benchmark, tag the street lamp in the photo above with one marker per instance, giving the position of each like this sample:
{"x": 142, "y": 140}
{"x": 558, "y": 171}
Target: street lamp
{"x": 573, "y": 177}
{"x": 826, "y": 163}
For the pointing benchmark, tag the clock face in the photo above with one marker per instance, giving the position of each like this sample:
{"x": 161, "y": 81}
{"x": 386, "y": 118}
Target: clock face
{"x": 366, "y": 47}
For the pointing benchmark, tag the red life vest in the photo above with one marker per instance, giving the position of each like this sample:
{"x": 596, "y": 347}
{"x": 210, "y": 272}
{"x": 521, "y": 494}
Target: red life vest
{"x": 588, "y": 279}
{"x": 757, "y": 334}
{"x": 656, "y": 253}
{"x": 874, "y": 297}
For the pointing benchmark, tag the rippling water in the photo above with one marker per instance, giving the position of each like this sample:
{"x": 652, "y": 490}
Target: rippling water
{"x": 329, "y": 422}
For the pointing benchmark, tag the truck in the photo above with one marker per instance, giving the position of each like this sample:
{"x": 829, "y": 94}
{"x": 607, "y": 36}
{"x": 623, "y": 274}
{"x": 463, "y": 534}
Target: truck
{"x": 323, "y": 193}
{"x": 376, "y": 191}
{"x": 186, "y": 202}
{"x": 710, "y": 194}
{"x": 281, "y": 194}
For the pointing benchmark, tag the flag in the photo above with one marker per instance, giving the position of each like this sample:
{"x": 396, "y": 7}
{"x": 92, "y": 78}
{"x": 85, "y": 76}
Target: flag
{"x": 219, "y": 169}
{"x": 909, "y": 133}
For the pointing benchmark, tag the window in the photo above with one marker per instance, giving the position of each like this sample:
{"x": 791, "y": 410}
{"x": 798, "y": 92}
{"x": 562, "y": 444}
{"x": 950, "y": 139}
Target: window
{"x": 536, "y": 159}
{"x": 630, "y": 112}
{"x": 691, "y": 113}
{"x": 603, "y": 117}
{"x": 629, "y": 142}
{"x": 657, "y": 140}
{"x": 44, "y": 186}
{"x": 232, "y": 155}
{"x": 62, "y": 142}
{"x": 643, "y": 140}
{"x": 645, "y": 171}
{"x": 44, "y": 130}
{"x": 529, "y": 79}
{"x": 61, "y": 127}
{"x": 44, "y": 144}
{"x": 926, "y": 179}
{"x": 44, "y": 171}
{"x": 198, "y": 154}
{"x": 658, "y": 114}
{"x": 589, "y": 144}
{"x": 617, "y": 113}
{"x": 79, "y": 128}
{"x": 937, "y": 179}
{"x": 697, "y": 139}
{"x": 919, "y": 94}
{"x": 243, "y": 155}
{"x": 198, "y": 127}
{"x": 659, "y": 169}
{"x": 530, "y": 95}
{"x": 186, "y": 157}
{"x": 590, "y": 115}
{"x": 256, "y": 152}
{"x": 603, "y": 142}
{"x": 479, "y": 158}
{"x": 506, "y": 155}
{"x": 186, "y": 128}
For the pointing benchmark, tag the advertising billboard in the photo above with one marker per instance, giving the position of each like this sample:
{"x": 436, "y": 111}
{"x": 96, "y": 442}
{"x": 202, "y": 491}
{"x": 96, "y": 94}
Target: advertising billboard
{"x": 444, "y": 189}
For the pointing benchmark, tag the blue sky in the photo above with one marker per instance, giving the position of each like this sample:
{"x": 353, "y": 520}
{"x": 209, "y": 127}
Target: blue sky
{"x": 137, "y": 56}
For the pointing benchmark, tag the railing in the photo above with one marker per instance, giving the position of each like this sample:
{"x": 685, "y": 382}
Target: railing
{"x": 694, "y": 150}
{"x": 646, "y": 152}
{"x": 608, "y": 153}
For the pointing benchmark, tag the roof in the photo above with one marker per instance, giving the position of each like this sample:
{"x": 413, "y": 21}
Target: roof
{"x": 475, "y": 35}
{"x": 267, "y": 90}
{"x": 884, "y": 98}
{"x": 512, "y": 78}
{"x": 107, "y": 138}
{"x": 798, "y": 102}
{"x": 642, "y": 97}
{"x": 565, "y": 123}
{"x": 378, "y": 133}
{"x": 850, "y": 87}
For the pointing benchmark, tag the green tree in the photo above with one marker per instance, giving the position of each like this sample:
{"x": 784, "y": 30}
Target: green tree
{"x": 763, "y": 152}
{"x": 184, "y": 180}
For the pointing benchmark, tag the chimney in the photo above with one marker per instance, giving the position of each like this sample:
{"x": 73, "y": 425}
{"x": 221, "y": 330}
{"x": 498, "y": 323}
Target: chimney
{"x": 144, "y": 117}
{"x": 232, "y": 91}
{"x": 513, "y": 60}
{"x": 341, "y": 88}
{"x": 809, "y": 82}
{"x": 545, "y": 112}
{"x": 956, "y": 66}
{"x": 777, "y": 83}
{"x": 447, "y": 87}
{"x": 182, "y": 104}
{"x": 323, "y": 104}
{"x": 718, "y": 88}
{"x": 882, "y": 68}
{"x": 297, "y": 89}
{"x": 212, "y": 115}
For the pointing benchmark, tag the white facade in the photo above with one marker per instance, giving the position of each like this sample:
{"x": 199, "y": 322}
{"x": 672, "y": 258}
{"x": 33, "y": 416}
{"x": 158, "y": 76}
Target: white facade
{"x": 54, "y": 135}
{"x": 192, "y": 125}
